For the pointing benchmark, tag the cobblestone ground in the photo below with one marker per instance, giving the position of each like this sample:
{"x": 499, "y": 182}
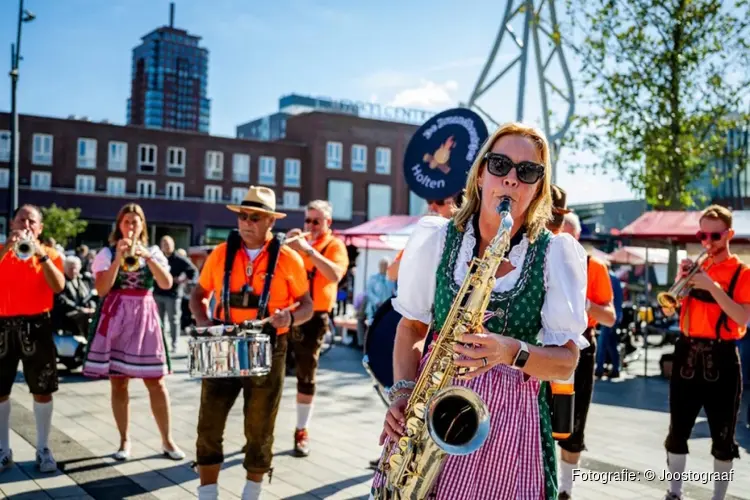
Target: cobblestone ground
{"x": 627, "y": 425}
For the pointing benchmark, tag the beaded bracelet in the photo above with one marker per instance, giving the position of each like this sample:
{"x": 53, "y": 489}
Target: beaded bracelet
{"x": 401, "y": 385}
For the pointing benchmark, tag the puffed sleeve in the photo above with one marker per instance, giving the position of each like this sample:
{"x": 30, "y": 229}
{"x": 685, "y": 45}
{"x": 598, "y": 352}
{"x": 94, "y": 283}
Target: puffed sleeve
{"x": 564, "y": 309}
{"x": 158, "y": 256}
{"x": 102, "y": 261}
{"x": 418, "y": 269}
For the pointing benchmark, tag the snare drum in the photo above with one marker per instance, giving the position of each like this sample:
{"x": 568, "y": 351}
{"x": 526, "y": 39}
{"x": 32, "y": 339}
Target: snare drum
{"x": 246, "y": 355}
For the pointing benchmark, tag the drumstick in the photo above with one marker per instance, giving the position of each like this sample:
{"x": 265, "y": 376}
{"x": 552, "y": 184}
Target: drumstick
{"x": 295, "y": 238}
{"x": 268, "y": 319}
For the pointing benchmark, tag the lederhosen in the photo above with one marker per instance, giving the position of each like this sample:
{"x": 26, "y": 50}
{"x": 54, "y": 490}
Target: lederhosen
{"x": 706, "y": 374}
{"x": 262, "y": 395}
{"x": 307, "y": 339}
{"x": 584, "y": 389}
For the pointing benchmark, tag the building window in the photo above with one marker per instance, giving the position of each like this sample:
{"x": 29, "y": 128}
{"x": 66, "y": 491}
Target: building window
{"x": 238, "y": 194}
{"x": 41, "y": 181}
{"x": 4, "y": 145}
{"x": 4, "y": 177}
{"x": 85, "y": 184}
{"x": 176, "y": 162}
{"x": 359, "y": 158}
{"x": 3, "y": 229}
{"x": 214, "y": 165}
{"x": 292, "y": 170}
{"x": 87, "y": 153}
{"x": 118, "y": 156}
{"x": 333, "y": 155}
{"x": 241, "y": 168}
{"x": 116, "y": 186}
{"x": 146, "y": 189}
{"x": 175, "y": 191}
{"x": 212, "y": 194}
{"x": 340, "y": 197}
{"x": 383, "y": 161}
{"x": 42, "y": 152}
{"x": 267, "y": 170}
{"x": 291, "y": 199}
{"x": 417, "y": 205}
{"x": 378, "y": 200}
{"x": 146, "y": 159}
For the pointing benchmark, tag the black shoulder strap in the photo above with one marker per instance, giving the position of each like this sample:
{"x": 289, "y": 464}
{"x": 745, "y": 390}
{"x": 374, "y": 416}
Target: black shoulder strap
{"x": 234, "y": 244}
{"x": 723, "y": 317}
{"x": 311, "y": 274}
{"x": 274, "y": 248}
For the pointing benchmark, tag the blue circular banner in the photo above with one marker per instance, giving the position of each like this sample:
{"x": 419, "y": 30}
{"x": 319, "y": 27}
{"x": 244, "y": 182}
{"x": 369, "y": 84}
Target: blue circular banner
{"x": 441, "y": 152}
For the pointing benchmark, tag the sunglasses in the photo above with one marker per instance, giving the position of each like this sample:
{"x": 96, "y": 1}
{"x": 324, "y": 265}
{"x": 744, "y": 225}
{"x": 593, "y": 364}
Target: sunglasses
{"x": 314, "y": 222}
{"x": 249, "y": 217}
{"x": 500, "y": 165}
{"x": 713, "y": 236}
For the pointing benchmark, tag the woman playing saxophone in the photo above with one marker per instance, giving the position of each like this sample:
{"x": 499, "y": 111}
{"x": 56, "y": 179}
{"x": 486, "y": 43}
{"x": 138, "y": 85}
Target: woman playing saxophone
{"x": 532, "y": 325}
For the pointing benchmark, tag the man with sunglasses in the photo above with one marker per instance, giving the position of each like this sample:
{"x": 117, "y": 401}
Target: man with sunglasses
{"x": 326, "y": 261}
{"x": 706, "y": 367}
{"x": 599, "y": 310}
{"x": 262, "y": 275}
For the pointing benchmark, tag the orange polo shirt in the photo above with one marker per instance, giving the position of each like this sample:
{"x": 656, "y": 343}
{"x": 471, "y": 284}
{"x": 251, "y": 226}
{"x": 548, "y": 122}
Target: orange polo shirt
{"x": 324, "y": 290}
{"x": 23, "y": 289}
{"x": 599, "y": 287}
{"x": 289, "y": 281}
{"x": 698, "y": 319}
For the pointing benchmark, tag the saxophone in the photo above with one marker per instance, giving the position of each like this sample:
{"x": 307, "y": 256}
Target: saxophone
{"x": 442, "y": 419}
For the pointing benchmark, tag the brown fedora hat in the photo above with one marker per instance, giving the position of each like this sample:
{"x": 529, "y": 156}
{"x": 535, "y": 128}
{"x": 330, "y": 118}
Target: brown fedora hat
{"x": 258, "y": 199}
{"x": 559, "y": 200}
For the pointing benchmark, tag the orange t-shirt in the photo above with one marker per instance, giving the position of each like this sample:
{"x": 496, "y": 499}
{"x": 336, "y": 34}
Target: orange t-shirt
{"x": 323, "y": 290}
{"x": 23, "y": 289}
{"x": 289, "y": 281}
{"x": 698, "y": 318}
{"x": 599, "y": 287}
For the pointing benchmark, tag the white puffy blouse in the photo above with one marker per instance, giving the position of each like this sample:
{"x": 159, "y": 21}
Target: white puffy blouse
{"x": 564, "y": 308}
{"x": 103, "y": 259}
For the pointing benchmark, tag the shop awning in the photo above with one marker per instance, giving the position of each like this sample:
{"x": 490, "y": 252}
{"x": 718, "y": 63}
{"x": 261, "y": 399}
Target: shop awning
{"x": 679, "y": 226}
{"x": 386, "y": 233}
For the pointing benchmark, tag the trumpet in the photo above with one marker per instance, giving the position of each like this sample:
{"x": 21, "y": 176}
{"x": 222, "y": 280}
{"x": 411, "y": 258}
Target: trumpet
{"x": 131, "y": 262}
{"x": 24, "y": 248}
{"x": 295, "y": 238}
{"x": 671, "y": 298}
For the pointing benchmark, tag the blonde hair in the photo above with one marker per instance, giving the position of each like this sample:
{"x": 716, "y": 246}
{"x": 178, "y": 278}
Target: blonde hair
{"x": 321, "y": 206}
{"x": 130, "y": 208}
{"x": 717, "y": 212}
{"x": 540, "y": 209}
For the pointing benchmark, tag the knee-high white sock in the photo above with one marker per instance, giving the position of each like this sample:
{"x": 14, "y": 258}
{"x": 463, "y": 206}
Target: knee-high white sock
{"x": 304, "y": 412}
{"x": 251, "y": 491}
{"x": 721, "y": 486}
{"x": 208, "y": 492}
{"x": 566, "y": 476}
{"x": 676, "y": 463}
{"x": 5, "y": 425}
{"x": 43, "y": 417}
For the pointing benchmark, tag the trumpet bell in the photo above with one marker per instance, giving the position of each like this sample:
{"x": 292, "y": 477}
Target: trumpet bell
{"x": 458, "y": 420}
{"x": 130, "y": 263}
{"x": 24, "y": 250}
{"x": 667, "y": 300}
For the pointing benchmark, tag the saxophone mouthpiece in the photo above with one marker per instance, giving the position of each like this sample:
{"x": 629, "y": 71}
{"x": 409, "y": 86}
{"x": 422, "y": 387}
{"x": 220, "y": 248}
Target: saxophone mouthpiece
{"x": 504, "y": 207}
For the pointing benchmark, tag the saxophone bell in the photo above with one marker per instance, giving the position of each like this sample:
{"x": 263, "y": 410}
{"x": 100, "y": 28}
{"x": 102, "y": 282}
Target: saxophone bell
{"x": 458, "y": 420}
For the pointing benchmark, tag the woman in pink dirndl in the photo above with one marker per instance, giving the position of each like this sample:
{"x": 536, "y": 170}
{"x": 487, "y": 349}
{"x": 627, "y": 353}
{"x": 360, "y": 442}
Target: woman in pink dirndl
{"x": 128, "y": 341}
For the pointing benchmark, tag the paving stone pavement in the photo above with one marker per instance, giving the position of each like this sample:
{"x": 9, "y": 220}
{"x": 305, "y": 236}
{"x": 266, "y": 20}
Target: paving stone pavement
{"x": 626, "y": 429}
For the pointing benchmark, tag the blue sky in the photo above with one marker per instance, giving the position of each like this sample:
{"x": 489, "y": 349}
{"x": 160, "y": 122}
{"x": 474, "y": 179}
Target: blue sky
{"x": 420, "y": 54}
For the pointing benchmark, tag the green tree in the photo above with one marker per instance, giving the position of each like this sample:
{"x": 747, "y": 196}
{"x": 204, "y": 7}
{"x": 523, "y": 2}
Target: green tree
{"x": 62, "y": 224}
{"x": 668, "y": 79}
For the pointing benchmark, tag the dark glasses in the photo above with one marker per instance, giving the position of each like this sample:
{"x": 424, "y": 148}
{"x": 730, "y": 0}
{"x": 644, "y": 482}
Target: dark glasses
{"x": 500, "y": 165}
{"x": 713, "y": 236}
{"x": 314, "y": 222}
{"x": 249, "y": 217}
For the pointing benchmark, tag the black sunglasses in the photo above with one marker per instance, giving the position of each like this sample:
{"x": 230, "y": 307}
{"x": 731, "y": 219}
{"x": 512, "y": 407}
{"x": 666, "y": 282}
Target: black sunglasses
{"x": 314, "y": 222}
{"x": 500, "y": 165}
{"x": 249, "y": 217}
{"x": 713, "y": 236}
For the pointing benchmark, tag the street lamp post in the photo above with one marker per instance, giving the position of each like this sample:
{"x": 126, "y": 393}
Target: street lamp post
{"x": 24, "y": 16}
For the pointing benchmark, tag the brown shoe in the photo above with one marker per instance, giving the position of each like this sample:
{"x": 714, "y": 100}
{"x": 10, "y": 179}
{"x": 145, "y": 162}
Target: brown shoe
{"x": 301, "y": 443}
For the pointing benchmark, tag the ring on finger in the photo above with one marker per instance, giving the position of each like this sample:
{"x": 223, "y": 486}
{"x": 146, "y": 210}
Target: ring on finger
{"x": 484, "y": 362}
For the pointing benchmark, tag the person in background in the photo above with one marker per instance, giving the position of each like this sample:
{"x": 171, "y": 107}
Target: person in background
{"x": 379, "y": 289}
{"x": 170, "y": 301}
{"x": 75, "y": 305}
{"x": 27, "y": 291}
{"x": 608, "y": 338}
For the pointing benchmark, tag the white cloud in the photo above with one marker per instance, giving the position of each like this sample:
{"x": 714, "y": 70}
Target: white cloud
{"x": 428, "y": 94}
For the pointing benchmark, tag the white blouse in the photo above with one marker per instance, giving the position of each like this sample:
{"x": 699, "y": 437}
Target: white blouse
{"x": 103, "y": 259}
{"x": 564, "y": 308}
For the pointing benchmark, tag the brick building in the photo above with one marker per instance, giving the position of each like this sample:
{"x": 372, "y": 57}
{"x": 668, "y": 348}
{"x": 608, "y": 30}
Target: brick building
{"x": 184, "y": 179}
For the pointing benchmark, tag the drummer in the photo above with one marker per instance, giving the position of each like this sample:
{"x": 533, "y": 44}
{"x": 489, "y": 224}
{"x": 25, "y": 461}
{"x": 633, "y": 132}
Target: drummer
{"x": 256, "y": 216}
{"x": 326, "y": 261}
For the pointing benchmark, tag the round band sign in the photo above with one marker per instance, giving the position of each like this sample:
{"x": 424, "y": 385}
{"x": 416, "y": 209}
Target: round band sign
{"x": 441, "y": 152}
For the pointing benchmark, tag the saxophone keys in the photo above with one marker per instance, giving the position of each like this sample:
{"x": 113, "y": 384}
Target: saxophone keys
{"x": 395, "y": 462}
{"x": 413, "y": 425}
{"x": 419, "y": 410}
{"x": 437, "y": 377}
{"x": 403, "y": 444}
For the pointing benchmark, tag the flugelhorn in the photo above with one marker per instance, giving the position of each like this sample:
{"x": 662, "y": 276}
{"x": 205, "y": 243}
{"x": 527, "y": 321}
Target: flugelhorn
{"x": 130, "y": 262}
{"x": 24, "y": 248}
{"x": 671, "y": 298}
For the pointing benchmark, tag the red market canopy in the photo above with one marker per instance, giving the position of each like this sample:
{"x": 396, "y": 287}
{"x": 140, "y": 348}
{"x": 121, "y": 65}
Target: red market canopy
{"x": 388, "y": 232}
{"x": 679, "y": 226}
